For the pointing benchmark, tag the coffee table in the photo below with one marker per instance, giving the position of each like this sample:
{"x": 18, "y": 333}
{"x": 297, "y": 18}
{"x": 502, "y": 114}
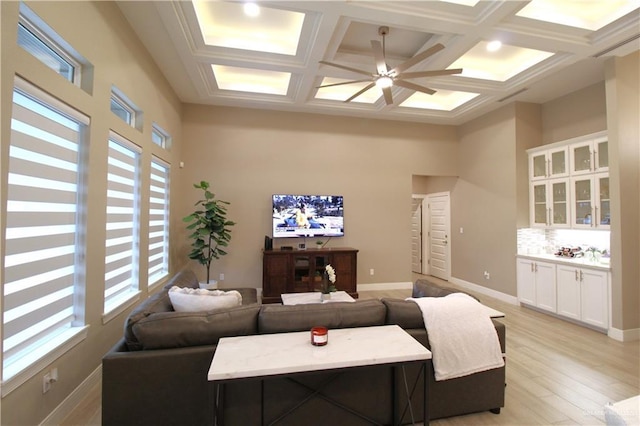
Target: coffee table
{"x": 288, "y": 354}
{"x": 315, "y": 297}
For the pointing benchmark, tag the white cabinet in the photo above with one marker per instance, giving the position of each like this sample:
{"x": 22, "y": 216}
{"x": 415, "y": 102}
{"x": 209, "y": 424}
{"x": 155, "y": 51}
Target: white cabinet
{"x": 583, "y": 295}
{"x": 591, "y": 202}
{"x": 569, "y": 184}
{"x": 590, "y": 156}
{"x": 549, "y": 163}
{"x": 536, "y": 284}
{"x": 550, "y": 203}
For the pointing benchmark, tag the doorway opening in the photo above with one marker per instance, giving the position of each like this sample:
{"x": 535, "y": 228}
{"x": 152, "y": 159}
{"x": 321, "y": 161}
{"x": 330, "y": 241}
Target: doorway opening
{"x": 430, "y": 235}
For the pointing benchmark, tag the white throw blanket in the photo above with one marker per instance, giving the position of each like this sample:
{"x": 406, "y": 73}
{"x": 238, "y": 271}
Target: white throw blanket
{"x": 462, "y": 337}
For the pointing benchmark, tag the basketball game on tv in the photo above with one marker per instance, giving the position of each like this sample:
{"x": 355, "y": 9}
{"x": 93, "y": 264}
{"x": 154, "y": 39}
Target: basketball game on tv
{"x": 308, "y": 216}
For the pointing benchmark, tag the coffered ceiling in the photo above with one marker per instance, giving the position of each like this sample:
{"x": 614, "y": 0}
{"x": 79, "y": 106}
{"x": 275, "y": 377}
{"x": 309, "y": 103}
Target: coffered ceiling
{"x": 218, "y": 53}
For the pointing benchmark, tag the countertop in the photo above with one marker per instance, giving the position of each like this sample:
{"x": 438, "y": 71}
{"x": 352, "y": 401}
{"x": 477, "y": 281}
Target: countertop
{"x": 581, "y": 262}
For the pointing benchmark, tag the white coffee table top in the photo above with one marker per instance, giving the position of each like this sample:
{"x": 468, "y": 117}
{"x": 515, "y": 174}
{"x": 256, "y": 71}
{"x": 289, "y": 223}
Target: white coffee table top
{"x": 315, "y": 297}
{"x": 285, "y": 353}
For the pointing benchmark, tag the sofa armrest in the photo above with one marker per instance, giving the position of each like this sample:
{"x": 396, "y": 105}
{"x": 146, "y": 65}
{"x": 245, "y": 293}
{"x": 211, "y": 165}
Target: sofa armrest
{"x": 138, "y": 385}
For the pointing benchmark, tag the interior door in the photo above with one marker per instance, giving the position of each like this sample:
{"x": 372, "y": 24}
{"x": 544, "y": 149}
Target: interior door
{"x": 439, "y": 235}
{"x": 416, "y": 235}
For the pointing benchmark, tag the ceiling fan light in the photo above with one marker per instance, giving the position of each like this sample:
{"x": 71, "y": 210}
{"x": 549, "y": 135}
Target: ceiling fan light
{"x": 384, "y": 82}
{"x": 251, "y": 9}
{"x": 494, "y": 46}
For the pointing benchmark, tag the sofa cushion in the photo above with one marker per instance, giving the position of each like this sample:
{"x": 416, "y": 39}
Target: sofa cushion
{"x": 165, "y": 330}
{"x": 404, "y": 313}
{"x": 281, "y": 318}
{"x": 184, "y": 278}
{"x": 425, "y": 288}
{"x": 197, "y": 300}
{"x": 158, "y": 302}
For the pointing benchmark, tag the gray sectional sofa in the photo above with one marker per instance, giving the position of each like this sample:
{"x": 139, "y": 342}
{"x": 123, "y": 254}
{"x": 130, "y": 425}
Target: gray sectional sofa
{"x": 157, "y": 374}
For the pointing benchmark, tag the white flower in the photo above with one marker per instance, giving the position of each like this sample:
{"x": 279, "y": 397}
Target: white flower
{"x": 331, "y": 273}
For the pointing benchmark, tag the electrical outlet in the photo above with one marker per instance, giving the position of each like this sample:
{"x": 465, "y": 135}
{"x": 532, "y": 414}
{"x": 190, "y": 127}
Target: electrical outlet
{"x": 46, "y": 383}
{"x": 371, "y": 271}
{"x": 48, "y": 379}
{"x": 487, "y": 275}
{"x": 221, "y": 276}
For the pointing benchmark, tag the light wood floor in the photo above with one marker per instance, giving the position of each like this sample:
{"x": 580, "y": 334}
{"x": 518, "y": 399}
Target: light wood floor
{"x": 558, "y": 373}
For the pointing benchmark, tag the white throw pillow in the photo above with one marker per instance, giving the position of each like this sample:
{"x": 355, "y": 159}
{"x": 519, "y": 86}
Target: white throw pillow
{"x": 186, "y": 299}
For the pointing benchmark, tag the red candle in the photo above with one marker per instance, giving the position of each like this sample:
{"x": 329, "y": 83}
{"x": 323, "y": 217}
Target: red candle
{"x": 319, "y": 336}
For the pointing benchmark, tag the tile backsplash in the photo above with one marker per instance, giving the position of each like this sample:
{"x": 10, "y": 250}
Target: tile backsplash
{"x": 547, "y": 241}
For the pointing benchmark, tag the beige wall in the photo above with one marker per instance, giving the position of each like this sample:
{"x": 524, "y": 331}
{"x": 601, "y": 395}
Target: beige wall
{"x": 433, "y": 184}
{"x": 101, "y": 34}
{"x": 248, "y": 155}
{"x": 623, "y": 101}
{"x": 577, "y": 114}
{"x": 484, "y": 202}
{"x": 528, "y": 135}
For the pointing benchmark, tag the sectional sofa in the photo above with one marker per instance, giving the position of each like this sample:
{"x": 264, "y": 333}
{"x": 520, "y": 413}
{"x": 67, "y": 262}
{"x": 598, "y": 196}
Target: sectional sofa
{"x": 157, "y": 374}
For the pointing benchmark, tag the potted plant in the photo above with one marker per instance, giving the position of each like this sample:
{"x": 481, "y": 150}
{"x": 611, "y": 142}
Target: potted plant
{"x": 210, "y": 229}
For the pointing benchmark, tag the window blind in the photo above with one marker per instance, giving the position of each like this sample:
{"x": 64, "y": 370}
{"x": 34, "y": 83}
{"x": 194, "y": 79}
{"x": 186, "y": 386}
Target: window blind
{"x": 123, "y": 221}
{"x": 42, "y": 259}
{"x": 158, "y": 221}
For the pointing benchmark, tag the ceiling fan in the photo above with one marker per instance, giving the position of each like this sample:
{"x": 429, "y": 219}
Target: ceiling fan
{"x": 385, "y": 78}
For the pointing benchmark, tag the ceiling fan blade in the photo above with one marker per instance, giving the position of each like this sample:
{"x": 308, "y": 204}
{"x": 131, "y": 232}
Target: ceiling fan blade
{"x": 360, "y": 92}
{"x": 418, "y": 74}
{"x": 388, "y": 98}
{"x": 418, "y": 58}
{"x": 347, "y": 68}
{"x": 413, "y": 86}
{"x": 378, "y": 55}
{"x": 344, "y": 82}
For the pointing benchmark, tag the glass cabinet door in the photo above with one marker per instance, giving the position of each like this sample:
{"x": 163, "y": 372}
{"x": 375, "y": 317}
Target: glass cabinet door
{"x": 558, "y": 162}
{"x": 559, "y": 203}
{"x": 539, "y": 204}
{"x": 301, "y": 273}
{"x": 603, "y": 212}
{"x": 602, "y": 155}
{"x": 539, "y": 166}
{"x": 581, "y": 161}
{"x": 307, "y": 271}
{"x": 583, "y": 203}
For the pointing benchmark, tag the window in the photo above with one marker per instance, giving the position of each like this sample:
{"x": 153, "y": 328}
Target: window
{"x": 125, "y": 109}
{"x": 121, "y": 109}
{"x": 41, "y": 41}
{"x": 160, "y": 137}
{"x": 45, "y": 54}
{"x": 43, "y": 259}
{"x": 158, "y": 221}
{"x": 123, "y": 221}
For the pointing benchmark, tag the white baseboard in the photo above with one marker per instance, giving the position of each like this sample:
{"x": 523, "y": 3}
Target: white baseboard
{"x": 630, "y": 335}
{"x": 513, "y": 300}
{"x": 384, "y": 286}
{"x": 65, "y": 408}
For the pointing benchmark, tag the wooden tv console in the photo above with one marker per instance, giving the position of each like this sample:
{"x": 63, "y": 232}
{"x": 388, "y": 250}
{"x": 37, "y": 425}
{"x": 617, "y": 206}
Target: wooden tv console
{"x": 296, "y": 271}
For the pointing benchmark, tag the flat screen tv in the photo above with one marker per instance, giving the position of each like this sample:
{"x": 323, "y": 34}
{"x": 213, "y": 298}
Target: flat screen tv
{"x": 297, "y": 216}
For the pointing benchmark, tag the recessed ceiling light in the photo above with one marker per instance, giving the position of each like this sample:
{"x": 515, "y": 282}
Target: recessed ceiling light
{"x": 494, "y": 45}
{"x": 251, "y": 9}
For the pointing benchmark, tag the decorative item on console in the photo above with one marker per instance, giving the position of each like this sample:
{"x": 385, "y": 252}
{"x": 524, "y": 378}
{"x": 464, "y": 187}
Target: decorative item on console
{"x": 594, "y": 254}
{"x": 329, "y": 280}
{"x": 570, "y": 252}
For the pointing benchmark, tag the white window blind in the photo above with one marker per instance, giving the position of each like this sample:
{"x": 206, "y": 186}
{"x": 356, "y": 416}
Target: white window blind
{"x": 43, "y": 263}
{"x": 158, "y": 221}
{"x": 123, "y": 222}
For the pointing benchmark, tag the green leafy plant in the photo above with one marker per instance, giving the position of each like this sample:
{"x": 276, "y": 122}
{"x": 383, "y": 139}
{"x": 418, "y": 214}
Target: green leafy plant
{"x": 211, "y": 229}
